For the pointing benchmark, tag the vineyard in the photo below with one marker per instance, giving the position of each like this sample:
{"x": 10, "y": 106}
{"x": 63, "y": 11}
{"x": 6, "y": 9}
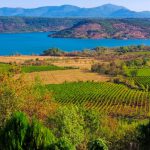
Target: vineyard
{"x": 114, "y": 99}
{"x": 145, "y": 81}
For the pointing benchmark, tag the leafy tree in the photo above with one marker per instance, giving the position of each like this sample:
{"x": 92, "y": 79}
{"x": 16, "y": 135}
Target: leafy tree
{"x": 68, "y": 124}
{"x": 18, "y": 134}
{"x": 15, "y": 69}
{"x": 13, "y": 134}
{"x": 12, "y": 95}
{"x": 133, "y": 73}
{"x": 16, "y": 94}
{"x": 53, "y": 52}
{"x": 100, "y": 50}
{"x": 98, "y": 144}
{"x": 144, "y": 136}
{"x": 124, "y": 49}
{"x": 62, "y": 144}
{"x": 91, "y": 123}
{"x": 38, "y": 137}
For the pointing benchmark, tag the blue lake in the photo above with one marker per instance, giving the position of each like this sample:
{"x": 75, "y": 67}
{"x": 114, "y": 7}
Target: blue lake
{"x": 36, "y": 43}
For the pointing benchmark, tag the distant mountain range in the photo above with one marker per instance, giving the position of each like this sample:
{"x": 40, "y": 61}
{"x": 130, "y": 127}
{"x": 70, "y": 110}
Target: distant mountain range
{"x": 104, "y": 11}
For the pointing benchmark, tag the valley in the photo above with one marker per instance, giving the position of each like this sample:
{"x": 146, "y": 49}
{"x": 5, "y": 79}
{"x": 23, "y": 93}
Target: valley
{"x": 73, "y": 77}
{"x": 109, "y": 84}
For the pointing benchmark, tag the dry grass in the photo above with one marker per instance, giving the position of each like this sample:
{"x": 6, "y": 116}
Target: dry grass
{"x": 60, "y": 76}
{"x": 20, "y": 59}
{"x": 81, "y": 63}
{"x": 84, "y": 63}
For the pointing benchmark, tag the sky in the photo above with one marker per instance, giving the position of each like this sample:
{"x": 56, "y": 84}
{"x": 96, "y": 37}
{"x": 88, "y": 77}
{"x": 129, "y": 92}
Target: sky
{"x": 137, "y": 5}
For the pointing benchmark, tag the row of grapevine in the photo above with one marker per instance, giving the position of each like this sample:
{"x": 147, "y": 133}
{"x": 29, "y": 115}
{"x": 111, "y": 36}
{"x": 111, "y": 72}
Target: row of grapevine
{"x": 142, "y": 80}
{"x": 114, "y": 99}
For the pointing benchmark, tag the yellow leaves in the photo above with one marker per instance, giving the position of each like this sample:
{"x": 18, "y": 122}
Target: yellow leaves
{"x": 18, "y": 94}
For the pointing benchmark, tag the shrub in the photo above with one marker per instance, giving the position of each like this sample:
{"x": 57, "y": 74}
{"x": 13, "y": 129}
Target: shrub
{"x": 91, "y": 123}
{"x": 13, "y": 93}
{"x": 18, "y": 94}
{"x": 98, "y": 144}
{"x": 38, "y": 137}
{"x": 53, "y": 52}
{"x": 67, "y": 123}
{"x": 13, "y": 134}
{"x": 18, "y": 134}
{"x": 144, "y": 136}
{"x": 62, "y": 144}
{"x": 133, "y": 73}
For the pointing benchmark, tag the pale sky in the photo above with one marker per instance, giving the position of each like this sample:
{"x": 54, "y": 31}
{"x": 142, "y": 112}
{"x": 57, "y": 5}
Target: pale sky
{"x": 138, "y": 5}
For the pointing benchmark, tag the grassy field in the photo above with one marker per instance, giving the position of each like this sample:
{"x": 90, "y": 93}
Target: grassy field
{"x": 60, "y": 72}
{"x": 83, "y": 63}
{"x": 60, "y": 76}
{"x": 144, "y": 72}
{"x": 29, "y": 69}
{"x": 4, "y": 67}
{"x": 97, "y": 93}
{"x": 140, "y": 72}
{"x": 114, "y": 99}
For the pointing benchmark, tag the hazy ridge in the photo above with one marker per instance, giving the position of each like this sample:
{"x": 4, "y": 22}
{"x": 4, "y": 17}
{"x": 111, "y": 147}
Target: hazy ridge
{"x": 104, "y": 11}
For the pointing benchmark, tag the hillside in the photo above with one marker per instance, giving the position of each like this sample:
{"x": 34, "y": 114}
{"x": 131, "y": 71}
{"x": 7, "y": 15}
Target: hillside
{"x": 104, "y": 11}
{"x": 108, "y": 28}
{"x": 79, "y": 27}
{"x": 34, "y": 24}
{"x": 103, "y": 94}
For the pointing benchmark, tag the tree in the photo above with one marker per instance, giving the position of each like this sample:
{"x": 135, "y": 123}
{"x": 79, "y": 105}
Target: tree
{"x": 133, "y": 73}
{"x": 62, "y": 144}
{"x": 124, "y": 49}
{"x": 18, "y": 134}
{"x": 98, "y": 144}
{"x": 68, "y": 124}
{"x": 13, "y": 134}
{"x": 91, "y": 123}
{"x": 12, "y": 95}
{"x": 15, "y": 69}
{"x": 38, "y": 137}
{"x": 16, "y": 94}
{"x": 53, "y": 52}
{"x": 144, "y": 136}
{"x": 100, "y": 50}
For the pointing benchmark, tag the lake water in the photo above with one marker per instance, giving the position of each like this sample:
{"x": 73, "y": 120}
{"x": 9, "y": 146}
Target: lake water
{"x": 36, "y": 43}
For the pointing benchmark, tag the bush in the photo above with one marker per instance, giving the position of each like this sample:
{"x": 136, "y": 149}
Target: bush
{"x": 13, "y": 134}
{"x": 62, "y": 144}
{"x": 144, "y": 136}
{"x": 38, "y": 137}
{"x": 18, "y": 134}
{"x": 53, "y": 52}
{"x": 91, "y": 123}
{"x": 98, "y": 144}
{"x": 18, "y": 94}
{"x": 13, "y": 93}
{"x": 67, "y": 123}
